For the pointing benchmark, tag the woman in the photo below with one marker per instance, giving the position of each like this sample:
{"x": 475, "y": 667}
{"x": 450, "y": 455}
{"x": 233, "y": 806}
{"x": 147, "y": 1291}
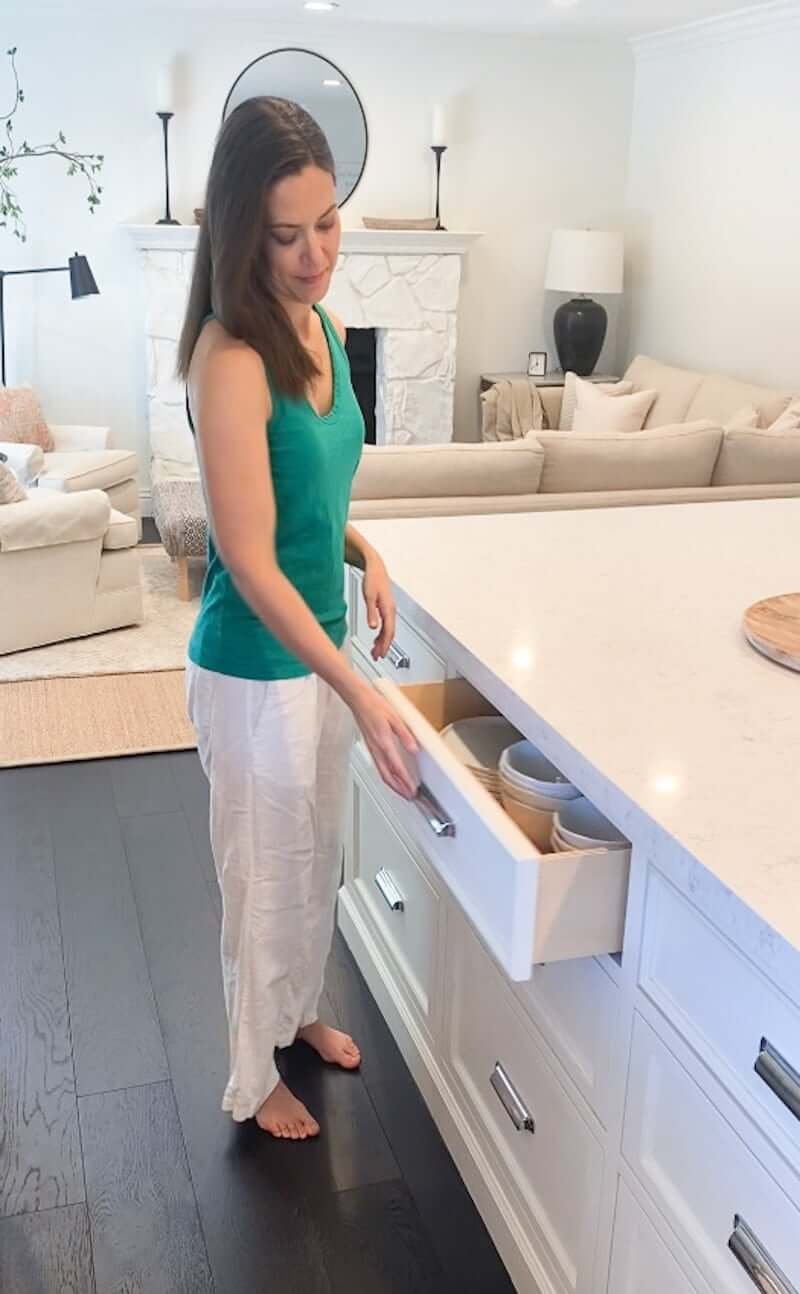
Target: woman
{"x": 270, "y": 688}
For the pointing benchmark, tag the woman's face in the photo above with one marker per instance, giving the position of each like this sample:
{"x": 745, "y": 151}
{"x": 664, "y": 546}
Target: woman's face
{"x": 303, "y": 233}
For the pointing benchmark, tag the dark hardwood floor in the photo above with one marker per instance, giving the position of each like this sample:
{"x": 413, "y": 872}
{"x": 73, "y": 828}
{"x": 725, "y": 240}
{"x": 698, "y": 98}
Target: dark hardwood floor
{"x": 118, "y": 1170}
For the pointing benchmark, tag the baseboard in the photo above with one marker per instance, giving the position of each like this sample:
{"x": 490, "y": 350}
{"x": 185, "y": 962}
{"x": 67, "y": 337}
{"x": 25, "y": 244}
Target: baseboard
{"x": 486, "y": 1190}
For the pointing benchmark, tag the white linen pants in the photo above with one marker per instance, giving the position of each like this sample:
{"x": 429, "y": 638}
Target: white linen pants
{"x": 276, "y": 755}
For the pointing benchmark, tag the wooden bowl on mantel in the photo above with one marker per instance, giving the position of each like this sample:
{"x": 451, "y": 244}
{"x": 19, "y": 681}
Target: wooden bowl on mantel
{"x": 772, "y": 626}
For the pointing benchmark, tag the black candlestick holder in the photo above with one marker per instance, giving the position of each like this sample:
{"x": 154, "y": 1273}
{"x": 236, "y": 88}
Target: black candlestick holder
{"x": 167, "y": 218}
{"x": 438, "y": 150}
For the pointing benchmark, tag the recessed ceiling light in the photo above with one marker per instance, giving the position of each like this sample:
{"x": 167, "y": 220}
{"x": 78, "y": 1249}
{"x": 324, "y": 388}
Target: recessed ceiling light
{"x": 332, "y": 83}
{"x": 320, "y": 6}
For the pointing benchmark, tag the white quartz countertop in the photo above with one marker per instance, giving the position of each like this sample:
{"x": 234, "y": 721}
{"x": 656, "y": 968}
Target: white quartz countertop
{"x": 613, "y": 639}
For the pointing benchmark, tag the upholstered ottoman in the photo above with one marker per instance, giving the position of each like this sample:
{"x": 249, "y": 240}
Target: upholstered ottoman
{"x": 179, "y": 512}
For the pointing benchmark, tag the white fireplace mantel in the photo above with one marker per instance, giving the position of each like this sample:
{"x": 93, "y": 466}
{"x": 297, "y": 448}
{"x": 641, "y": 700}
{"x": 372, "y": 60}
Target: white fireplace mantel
{"x": 403, "y": 283}
{"x": 380, "y": 242}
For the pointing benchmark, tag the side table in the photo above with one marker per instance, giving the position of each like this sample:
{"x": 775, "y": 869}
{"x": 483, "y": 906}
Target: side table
{"x": 556, "y": 378}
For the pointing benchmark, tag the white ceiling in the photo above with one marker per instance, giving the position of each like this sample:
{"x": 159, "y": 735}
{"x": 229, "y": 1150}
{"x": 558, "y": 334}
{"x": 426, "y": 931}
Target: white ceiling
{"x": 553, "y": 17}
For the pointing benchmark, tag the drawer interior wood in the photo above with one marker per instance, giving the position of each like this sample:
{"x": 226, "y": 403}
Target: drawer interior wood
{"x": 581, "y": 897}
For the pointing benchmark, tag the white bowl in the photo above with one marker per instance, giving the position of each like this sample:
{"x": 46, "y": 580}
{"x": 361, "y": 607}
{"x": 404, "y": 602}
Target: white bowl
{"x": 479, "y": 742}
{"x": 580, "y": 825}
{"x": 525, "y": 768}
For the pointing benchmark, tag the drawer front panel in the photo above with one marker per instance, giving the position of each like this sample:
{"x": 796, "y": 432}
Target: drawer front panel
{"x": 701, "y": 1174}
{"x": 640, "y": 1259}
{"x": 410, "y": 660}
{"x": 522, "y": 1110}
{"x": 745, "y": 1029}
{"x": 393, "y": 889}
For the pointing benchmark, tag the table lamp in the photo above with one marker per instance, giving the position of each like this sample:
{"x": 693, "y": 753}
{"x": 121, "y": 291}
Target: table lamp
{"x": 583, "y": 262}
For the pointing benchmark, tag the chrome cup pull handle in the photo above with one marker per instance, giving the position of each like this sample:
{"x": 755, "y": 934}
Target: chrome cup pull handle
{"x": 392, "y": 896}
{"x": 781, "y": 1077}
{"x": 746, "y": 1247}
{"x": 433, "y": 813}
{"x": 511, "y": 1100}
{"x": 397, "y": 657}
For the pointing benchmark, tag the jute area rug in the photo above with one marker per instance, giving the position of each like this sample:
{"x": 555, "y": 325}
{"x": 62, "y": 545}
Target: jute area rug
{"x": 118, "y": 693}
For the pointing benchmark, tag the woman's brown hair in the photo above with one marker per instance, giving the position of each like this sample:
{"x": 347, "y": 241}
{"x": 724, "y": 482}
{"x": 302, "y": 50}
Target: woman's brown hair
{"x": 260, "y": 143}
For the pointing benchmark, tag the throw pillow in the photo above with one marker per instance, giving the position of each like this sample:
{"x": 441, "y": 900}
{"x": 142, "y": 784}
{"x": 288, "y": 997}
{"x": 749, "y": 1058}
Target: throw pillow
{"x": 570, "y": 396}
{"x": 770, "y": 457}
{"x": 661, "y": 458}
{"x": 10, "y": 489}
{"x": 789, "y": 419}
{"x": 745, "y": 419}
{"x": 21, "y": 419}
{"x": 602, "y": 411}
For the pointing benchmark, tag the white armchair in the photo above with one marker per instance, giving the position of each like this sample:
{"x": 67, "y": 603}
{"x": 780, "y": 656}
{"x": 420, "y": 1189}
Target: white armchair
{"x": 68, "y": 567}
{"x": 81, "y": 460}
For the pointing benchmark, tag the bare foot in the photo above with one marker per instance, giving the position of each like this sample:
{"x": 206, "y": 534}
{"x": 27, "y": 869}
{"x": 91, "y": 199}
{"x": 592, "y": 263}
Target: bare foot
{"x": 284, "y": 1116}
{"x": 334, "y": 1047}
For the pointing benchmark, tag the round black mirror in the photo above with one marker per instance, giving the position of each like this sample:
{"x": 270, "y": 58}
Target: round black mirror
{"x": 322, "y": 89}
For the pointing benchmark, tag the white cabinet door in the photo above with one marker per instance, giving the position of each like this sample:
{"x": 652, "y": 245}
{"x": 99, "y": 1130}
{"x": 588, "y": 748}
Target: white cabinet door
{"x": 641, "y": 1263}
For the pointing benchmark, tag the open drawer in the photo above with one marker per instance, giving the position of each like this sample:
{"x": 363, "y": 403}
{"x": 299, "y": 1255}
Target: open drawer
{"x": 529, "y": 907}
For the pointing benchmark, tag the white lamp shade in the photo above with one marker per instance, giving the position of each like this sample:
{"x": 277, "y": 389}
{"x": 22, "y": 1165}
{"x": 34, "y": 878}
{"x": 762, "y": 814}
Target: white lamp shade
{"x": 589, "y": 261}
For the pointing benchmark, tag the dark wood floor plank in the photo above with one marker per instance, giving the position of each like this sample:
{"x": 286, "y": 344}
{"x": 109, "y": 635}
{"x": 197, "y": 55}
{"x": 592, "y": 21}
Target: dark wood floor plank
{"x": 115, "y": 1031}
{"x": 462, "y": 1243}
{"x": 374, "y": 1242}
{"x": 46, "y": 1253}
{"x": 358, "y": 1014}
{"x": 193, "y": 792}
{"x": 40, "y": 1164}
{"x": 145, "y": 1229}
{"x": 258, "y": 1233}
{"x": 144, "y": 784}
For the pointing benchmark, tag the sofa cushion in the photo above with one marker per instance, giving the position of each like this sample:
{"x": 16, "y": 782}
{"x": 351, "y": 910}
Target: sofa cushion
{"x": 676, "y": 389}
{"x": 21, "y": 418}
{"x": 569, "y": 399}
{"x": 719, "y": 398}
{"x": 93, "y": 469}
{"x": 758, "y": 458}
{"x": 10, "y": 489}
{"x": 605, "y": 411}
{"x": 745, "y": 418}
{"x": 428, "y": 471}
{"x": 662, "y": 458}
{"x": 122, "y": 532}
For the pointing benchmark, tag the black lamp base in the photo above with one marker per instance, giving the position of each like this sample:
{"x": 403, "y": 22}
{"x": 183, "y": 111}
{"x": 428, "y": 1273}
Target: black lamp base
{"x": 164, "y": 221}
{"x": 579, "y": 327}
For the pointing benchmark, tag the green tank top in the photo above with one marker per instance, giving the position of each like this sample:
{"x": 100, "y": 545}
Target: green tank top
{"x": 313, "y": 460}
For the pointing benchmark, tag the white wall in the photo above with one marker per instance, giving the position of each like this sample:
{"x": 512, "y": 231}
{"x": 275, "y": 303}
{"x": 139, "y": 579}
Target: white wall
{"x": 714, "y": 198}
{"x": 541, "y": 139}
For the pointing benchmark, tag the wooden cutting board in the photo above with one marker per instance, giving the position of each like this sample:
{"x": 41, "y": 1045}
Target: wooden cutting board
{"x": 773, "y": 628}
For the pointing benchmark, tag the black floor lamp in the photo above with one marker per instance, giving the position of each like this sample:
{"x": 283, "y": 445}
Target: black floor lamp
{"x": 81, "y": 282}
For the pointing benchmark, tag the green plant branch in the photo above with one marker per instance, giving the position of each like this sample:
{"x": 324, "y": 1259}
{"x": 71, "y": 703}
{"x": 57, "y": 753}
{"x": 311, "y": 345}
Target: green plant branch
{"x": 87, "y": 165}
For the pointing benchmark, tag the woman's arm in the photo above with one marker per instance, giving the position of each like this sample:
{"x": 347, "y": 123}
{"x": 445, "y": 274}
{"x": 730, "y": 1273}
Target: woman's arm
{"x": 231, "y": 406}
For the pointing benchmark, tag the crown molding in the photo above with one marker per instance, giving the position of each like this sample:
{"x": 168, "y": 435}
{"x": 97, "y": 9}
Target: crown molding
{"x": 743, "y": 24}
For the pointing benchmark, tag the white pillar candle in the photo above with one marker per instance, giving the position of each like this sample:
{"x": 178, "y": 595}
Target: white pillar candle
{"x": 165, "y": 90}
{"x": 439, "y": 132}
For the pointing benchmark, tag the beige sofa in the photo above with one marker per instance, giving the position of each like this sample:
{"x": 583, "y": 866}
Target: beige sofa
{"x": 69, "y": 566}
{"x": 81, "y": 460}
{"x": 683, "y": 455}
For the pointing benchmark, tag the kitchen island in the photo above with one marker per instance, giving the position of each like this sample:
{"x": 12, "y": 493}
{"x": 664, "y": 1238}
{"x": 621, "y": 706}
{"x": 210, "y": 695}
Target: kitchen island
{"x": 613, "y": 1057}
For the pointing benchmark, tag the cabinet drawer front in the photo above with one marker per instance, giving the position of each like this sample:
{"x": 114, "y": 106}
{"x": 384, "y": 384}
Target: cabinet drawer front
{"x": 522, "y": 1110}
{"x": 410, "y": 660}
{"x": 725, "y": 1007}
{"x": 640, "y": 1259}
{"x": 702, "y": 1175}
{"x": 391, "y": 886}
{"x": 529, "y": 907}
{"x": 574, "y": 1005}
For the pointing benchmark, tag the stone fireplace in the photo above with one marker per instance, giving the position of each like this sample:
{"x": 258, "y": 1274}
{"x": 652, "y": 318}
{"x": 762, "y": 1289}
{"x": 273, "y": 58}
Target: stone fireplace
{"x": 404, "y": 285}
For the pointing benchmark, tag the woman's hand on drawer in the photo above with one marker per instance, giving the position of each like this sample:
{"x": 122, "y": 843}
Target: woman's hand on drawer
{"x": 380, "y": 604}
{"x": 387, "y": 737}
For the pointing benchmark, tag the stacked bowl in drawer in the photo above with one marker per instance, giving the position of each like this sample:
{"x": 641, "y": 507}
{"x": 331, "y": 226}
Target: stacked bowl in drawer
{"x": 532, "y": 790}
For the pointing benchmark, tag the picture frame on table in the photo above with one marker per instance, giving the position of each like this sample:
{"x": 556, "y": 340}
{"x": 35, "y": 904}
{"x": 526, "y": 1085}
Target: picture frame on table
{"x": 537, "y": 363}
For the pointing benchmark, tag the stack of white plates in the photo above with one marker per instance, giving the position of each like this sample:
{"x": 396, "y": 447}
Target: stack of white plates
{"x": 532, "y": 789}
{"x": 478, "y": 744}
{"x": 579, "y": 825}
